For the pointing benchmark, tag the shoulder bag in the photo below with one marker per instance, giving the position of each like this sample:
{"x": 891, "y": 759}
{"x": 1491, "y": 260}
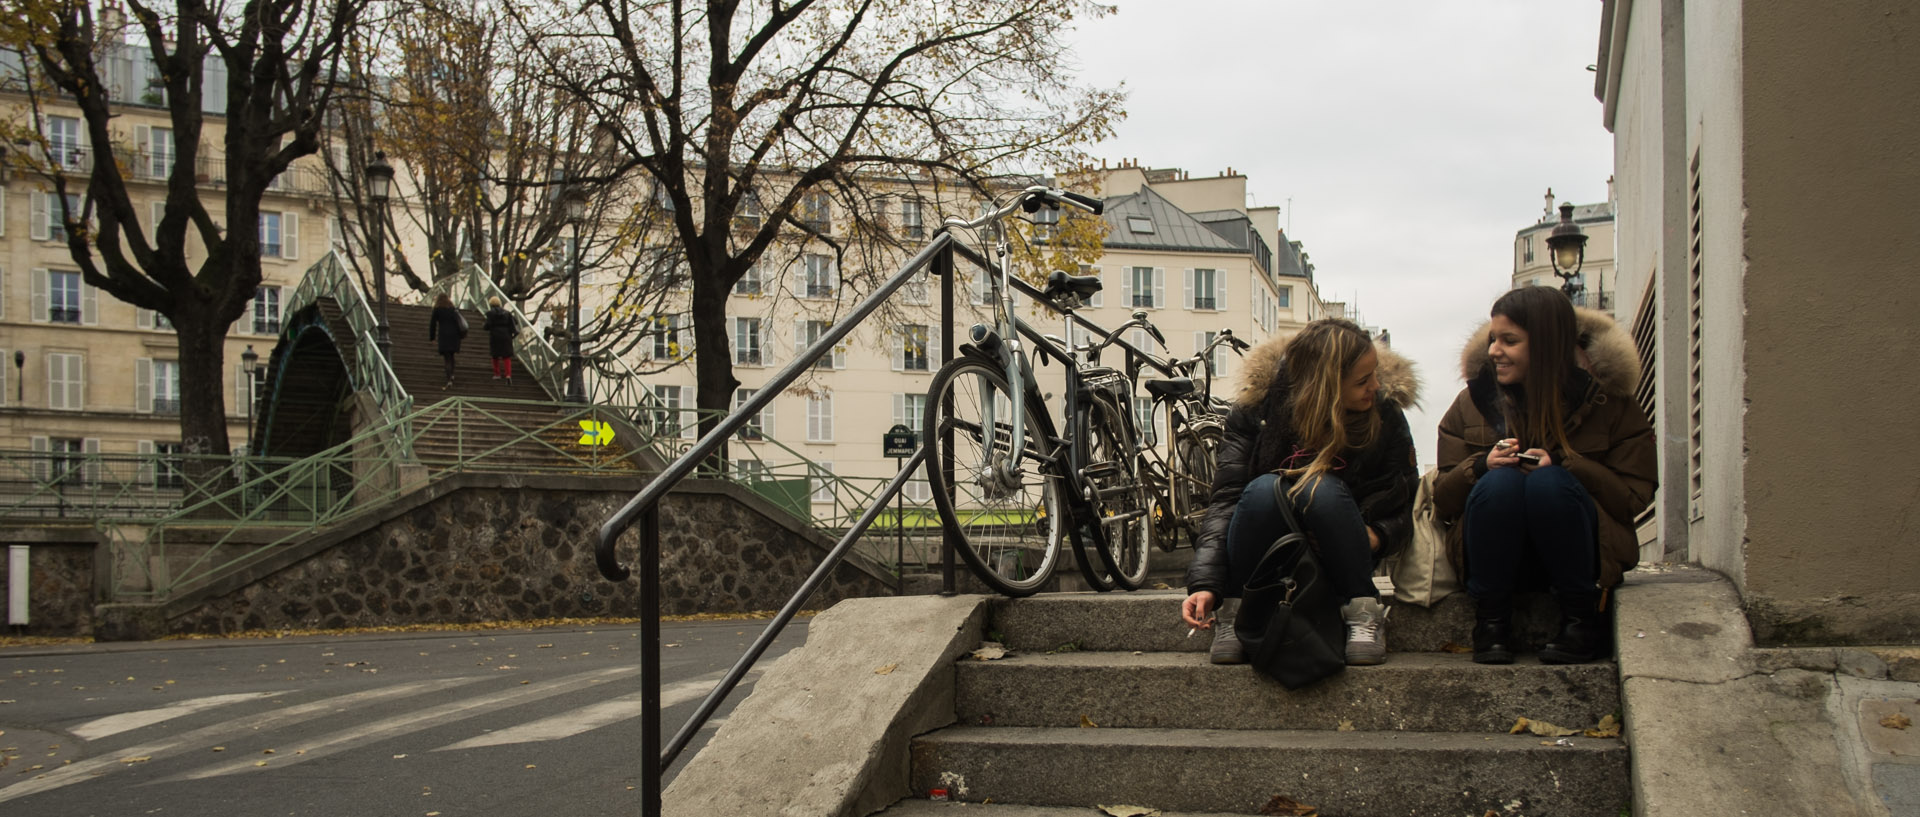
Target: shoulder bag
{"x": 1289, "y": 620}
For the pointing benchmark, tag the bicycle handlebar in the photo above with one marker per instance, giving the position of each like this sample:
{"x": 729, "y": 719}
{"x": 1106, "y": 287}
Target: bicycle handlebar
{"x": 1030, "y": 199}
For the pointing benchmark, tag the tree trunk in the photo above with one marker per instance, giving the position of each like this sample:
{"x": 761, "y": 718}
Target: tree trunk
{"x": 713, "y": 358}
{"x": 203, "y": 405}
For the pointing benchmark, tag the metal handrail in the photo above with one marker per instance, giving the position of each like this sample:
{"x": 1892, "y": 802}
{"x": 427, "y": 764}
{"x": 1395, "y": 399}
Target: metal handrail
{"x": 370, "y": 370}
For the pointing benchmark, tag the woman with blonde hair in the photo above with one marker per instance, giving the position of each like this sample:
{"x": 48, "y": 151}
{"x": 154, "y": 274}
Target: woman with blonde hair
{"x": 1545, "y": 460}
{"x": 1319, "y": 424}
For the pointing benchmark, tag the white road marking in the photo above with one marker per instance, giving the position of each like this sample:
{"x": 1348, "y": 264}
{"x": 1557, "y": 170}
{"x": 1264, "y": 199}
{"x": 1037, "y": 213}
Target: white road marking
{"x": 594, "y": 716}
{"x": 210, "y": 735}
{"x": 411, "y": 722}
{"x": 128, "y": 721}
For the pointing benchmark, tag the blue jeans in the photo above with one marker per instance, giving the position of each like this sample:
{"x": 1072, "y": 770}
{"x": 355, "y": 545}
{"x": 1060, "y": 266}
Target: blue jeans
{"x": 1331, "y": 518}
{"x": 1520, "y": 525}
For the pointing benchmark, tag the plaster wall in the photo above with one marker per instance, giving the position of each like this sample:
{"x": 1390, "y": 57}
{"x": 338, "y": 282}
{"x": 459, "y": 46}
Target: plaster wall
{"x": 1714, "y": 124}
{"x": 1830, "y": 100}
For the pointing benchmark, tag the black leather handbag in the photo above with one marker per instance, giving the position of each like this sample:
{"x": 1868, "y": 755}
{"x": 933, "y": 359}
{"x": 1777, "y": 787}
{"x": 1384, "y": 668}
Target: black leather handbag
{"x": 1289, "y": 621}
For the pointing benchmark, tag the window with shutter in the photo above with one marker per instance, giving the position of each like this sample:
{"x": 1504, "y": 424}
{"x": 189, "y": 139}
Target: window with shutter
{"x": 820, "y": 418}
{"x": 822, "y": 481}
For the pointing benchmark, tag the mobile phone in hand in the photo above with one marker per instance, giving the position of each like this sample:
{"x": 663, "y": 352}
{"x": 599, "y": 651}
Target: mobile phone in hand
{"x": 1530, "y": 459}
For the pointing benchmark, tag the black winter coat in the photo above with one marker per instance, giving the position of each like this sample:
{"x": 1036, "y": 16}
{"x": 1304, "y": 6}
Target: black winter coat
{"x": 444, "y": 324}
{"x": 501, "y": 327}
{"x": 1382, "y": 477}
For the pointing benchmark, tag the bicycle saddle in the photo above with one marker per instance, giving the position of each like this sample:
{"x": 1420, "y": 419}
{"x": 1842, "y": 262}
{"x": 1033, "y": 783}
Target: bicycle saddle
{"x": 1169, "y": 389}
{"x": 1082, "y": 286}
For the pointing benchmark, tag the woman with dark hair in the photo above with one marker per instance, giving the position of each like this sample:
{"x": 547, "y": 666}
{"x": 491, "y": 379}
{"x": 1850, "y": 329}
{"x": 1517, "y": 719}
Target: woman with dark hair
{"x": 1545, "y": 460}
{"x": 1317, "y": 424}
{"x": 446, "y": 324}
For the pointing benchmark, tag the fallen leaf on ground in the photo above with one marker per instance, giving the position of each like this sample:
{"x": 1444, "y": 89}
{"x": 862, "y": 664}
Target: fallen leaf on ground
{"x": 886, "y": 670}
{"x": 1129, "y": 811}
{"x": 1609, "y": 727}
{"x": 1345, "y": 726}
{"x": 1455, "y": 648}
{"x": 1087, "y": 723}
{"x": 1541, "y": 728}
{"x": 136, "y": 759}
{"x": 259, "y": 763}
{"x": 1283, "y": 806}
{"x": 1897, "y": 720}
{"x": 990, "y": 651}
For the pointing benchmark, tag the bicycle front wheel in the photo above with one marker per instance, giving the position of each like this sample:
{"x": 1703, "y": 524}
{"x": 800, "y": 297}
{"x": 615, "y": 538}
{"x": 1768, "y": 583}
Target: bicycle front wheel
{"x": 1003, "y": 506}
{"x": 1121, "y": 501}
{"x": 1191, "y": 480}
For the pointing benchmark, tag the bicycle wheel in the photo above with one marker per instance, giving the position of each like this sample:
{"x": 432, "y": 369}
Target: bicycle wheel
{"x": 1191, "y": 477}
{"x": 1120, "y": 499}
{"x": 1004, "y": 505}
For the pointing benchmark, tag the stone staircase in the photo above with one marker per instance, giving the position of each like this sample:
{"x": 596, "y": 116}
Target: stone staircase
{"x": 1105, "y": 701}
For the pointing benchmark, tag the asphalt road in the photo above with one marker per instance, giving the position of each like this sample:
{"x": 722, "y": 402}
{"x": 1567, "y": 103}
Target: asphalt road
{"x": 536, "y": 723}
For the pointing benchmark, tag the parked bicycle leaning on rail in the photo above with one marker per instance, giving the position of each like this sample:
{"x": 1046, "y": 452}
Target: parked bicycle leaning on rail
{"x": 1195, "y": 427}
{"x": 1009, "y": 481}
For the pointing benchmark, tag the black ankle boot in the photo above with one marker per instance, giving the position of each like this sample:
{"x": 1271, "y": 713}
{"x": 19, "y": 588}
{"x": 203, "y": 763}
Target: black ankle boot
{"x": 1583, "y": 631}
{"x": 1493, "y": 631}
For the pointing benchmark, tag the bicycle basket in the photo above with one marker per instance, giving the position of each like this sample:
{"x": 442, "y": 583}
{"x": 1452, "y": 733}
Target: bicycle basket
{"x": 1110, "y": 381}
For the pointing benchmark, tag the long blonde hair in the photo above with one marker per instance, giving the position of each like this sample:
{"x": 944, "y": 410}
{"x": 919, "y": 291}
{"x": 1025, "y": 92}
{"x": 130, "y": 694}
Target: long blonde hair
{"x": 1318, "y": 361}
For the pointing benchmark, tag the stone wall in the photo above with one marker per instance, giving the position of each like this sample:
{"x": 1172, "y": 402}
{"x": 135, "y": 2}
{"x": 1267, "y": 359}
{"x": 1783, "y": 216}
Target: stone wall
{"x": 60, "y": 577}
{"x": 484, "y": 547}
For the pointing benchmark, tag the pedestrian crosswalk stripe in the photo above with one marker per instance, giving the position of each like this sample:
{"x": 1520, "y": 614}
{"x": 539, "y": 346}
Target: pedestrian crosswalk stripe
{"x": 593, "y": 716}
{"x": 412, "y": 722}
{"x": 211, "y": 735}
{"x": 128, "y": 721}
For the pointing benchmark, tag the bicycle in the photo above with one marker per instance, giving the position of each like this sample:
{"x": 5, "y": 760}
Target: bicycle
{"x": 1020, "y": 489}
{"x": 1195, "y": 427}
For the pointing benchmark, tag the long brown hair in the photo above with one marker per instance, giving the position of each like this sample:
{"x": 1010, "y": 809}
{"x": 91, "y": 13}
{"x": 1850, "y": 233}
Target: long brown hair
{"x": 1318, "y": 362}
{"x": 1553, "y": 335}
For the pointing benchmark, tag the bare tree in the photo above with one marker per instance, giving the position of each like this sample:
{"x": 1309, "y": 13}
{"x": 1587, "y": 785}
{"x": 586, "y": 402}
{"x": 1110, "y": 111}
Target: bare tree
{"x": 277, "y": 59}
{"x": 776, "y": 127}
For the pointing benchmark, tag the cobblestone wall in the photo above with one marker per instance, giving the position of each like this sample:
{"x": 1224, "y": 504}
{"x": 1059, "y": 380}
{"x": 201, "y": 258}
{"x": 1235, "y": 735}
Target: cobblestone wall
{"x": 497, "y": 553}
{"x": 60, "y": 583}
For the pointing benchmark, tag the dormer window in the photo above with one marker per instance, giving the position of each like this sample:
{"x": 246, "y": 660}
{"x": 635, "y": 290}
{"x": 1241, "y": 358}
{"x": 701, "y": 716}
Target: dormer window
{"x": 1140, "y": 224}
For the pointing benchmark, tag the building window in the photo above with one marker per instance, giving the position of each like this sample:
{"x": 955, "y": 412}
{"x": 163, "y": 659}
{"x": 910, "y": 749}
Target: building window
{"x": 914, "y": 352}
{"x": 63, "y": 296}
{"x": 1528, "y": 244}
{"x": 1046, "y": 224}
{"x": 819, "y": 276}
{"x": 1140, "y": 224}
{"x": 67, "y": 459}
{"x": 166, "y": 387}
{"x": 57, "y": 217}
{"x": 66, "y": 381}
{"x": 1286, "y": 298}
{"x": 746, "y": 341}
{"x": 820, "y": 479}
{"x": 820, "y": 418}
{"x": 160, "y": 152}
{"x": 1095, "y": 300}
{"x": 810, "y": 333}
{"x": 666, "y": 416}
{"x": 1143, "y": 418}
{"x": 1217, "y": 358}
{"x": 816, "y": 213}
{"x": 666, "y": 337}
{"x": 916, "y": 291}
{"x": 1143, "y": 281}
{"x": 749, "y": 283}
{"x": 63, "y": 143}
{"x": 910, "y": 410}
{"x": 266, "y": 311}
{"x": 912, "y": 218}
{"x": 761, "y": 423}
{"x": 749, "y": 471}
{"x": 270, "y": 245}
{"x": 749, "y": 212}
{"x": 166, "y": 466}
{"x": 1205, "y": 294}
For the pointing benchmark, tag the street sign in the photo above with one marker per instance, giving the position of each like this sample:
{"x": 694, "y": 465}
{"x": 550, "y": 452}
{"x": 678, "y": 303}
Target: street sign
{"x": 900, "y": 442}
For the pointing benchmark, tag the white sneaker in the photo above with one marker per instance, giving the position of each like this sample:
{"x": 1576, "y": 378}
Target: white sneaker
{"x": 1366, "y": 620}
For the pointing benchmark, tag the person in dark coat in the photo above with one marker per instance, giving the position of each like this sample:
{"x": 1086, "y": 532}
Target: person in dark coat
{"x": 1545, "y": 460}
{"x": 501, "y": 328}
{"x": 446, "y": 325}
{"x": 1319, "y": 423}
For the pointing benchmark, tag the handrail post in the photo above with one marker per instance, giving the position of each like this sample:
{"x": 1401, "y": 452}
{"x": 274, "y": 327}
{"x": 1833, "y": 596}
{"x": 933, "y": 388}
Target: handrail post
{"x": 943, "y": 267}
{"x": 650, "y": 674}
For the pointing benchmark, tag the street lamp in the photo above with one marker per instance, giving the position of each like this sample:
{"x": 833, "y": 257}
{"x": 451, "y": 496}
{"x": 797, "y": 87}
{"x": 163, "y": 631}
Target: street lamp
{"x": 573, "y": 201}
{"x": 250, "y": 363}
{"x": 379, "y": 186}
{"x": 1568, "y": 246}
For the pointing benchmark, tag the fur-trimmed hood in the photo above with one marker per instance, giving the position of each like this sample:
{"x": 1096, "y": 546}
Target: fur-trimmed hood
{"x": 1611, "y": 356}
{"x": 1399, "y": 383}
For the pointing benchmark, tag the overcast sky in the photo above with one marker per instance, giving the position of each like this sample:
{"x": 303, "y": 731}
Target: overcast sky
{"x": 1412, "y": 139}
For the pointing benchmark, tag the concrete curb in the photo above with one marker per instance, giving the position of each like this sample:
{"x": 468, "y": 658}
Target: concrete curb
{"x": 1717, "y": 727}
{"x": 826, "y": 732}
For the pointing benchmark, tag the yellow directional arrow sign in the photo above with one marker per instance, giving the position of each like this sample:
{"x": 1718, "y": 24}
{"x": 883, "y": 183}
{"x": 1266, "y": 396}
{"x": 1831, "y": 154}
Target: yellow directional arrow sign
{"x": 594, "y": 432}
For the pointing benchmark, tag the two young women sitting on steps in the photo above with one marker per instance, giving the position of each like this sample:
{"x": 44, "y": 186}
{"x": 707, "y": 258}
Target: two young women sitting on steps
{"x": 1545, "y": 459}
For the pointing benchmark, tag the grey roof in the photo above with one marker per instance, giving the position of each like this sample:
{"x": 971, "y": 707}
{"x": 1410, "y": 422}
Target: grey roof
{"x": 1601, "y": 213}
{"x": 1173, "y": 228}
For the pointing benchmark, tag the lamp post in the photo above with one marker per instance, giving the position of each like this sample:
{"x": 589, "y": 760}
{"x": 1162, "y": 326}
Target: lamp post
{"x": 574, "y": 202}
{"x": 379, "y": 186}
{"x": 1567, "y": 245}
{"x": 250, "y": 363}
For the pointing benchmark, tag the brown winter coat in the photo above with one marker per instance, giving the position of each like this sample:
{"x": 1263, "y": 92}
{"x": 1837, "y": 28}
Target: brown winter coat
{"x": 1613, "y": 446}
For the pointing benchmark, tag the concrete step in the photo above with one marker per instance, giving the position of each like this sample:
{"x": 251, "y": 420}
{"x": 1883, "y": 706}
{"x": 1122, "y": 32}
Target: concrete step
{"x": 1352, "y": 774}
{"x": 1149, "y": 620}
{"x": 930, "y": 808}
{"x": 1418, "y": 692}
